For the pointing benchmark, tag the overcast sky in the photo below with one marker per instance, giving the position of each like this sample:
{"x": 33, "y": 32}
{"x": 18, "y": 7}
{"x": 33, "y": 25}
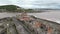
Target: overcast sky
{"x": 33, "y": 3}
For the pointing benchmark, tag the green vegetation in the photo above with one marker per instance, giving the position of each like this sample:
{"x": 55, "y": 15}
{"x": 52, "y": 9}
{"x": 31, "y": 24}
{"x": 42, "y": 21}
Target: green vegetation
{"x": 9, "y": 7}
{"x": 14, "y": 8}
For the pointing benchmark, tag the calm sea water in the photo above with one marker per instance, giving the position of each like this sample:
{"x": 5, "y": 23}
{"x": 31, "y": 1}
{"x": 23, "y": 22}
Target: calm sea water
{"x": 52, "y": 16}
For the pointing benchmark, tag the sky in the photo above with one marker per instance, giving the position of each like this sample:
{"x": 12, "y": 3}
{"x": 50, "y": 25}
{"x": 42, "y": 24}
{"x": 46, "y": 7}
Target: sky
{"x": 54, "y": 4}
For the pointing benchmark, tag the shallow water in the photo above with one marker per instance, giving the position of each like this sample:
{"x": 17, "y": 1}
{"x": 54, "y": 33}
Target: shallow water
{"x": 52, "y": 16}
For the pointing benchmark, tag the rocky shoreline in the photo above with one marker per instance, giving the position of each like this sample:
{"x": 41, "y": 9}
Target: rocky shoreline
{"x": 11, "y": 21}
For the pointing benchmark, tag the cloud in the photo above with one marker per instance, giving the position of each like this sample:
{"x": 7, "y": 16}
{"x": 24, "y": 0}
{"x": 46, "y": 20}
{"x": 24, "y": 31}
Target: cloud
{"x": 33, "y": 3}
{"x": 5, "y": 2}
{"x": 38, "y": 3}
